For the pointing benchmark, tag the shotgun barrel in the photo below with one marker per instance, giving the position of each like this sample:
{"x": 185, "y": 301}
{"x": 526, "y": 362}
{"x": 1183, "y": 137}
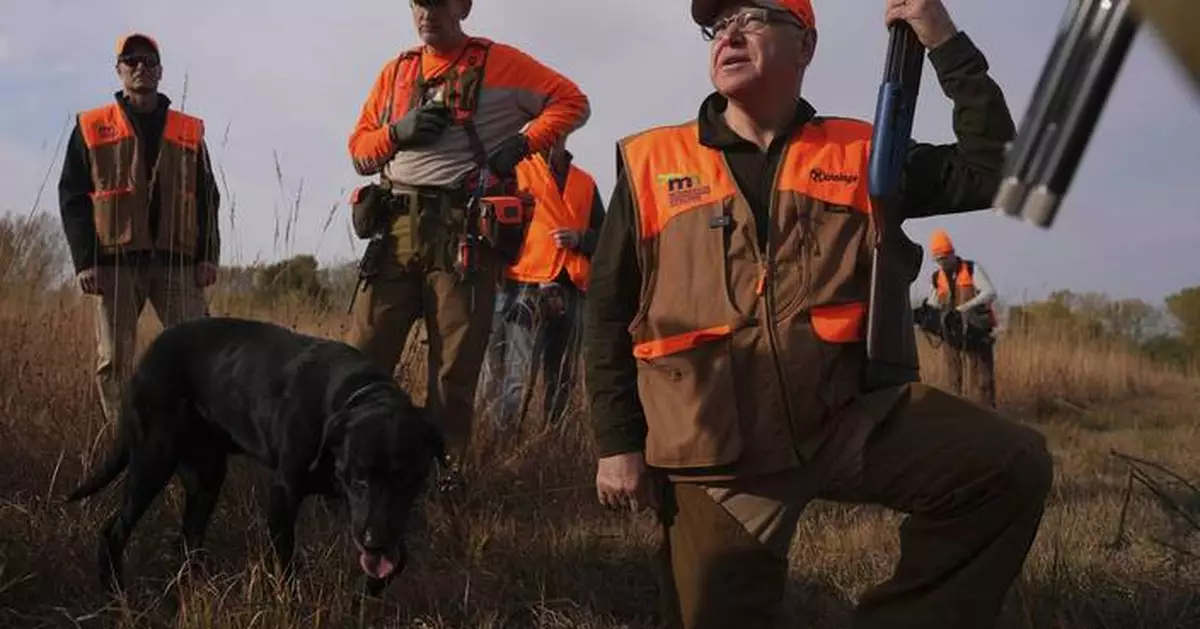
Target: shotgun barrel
{"x": 896, "y": 260}
{"x": 1059, "y": 69}
{"x": 1093, "y": 41}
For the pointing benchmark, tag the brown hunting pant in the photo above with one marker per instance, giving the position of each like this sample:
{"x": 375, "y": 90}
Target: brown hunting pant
{"x": 125, "y": 289}
{"x": 979, "y": 364}
{"x": 458, "y": 320}
{"x": 973, "y": 485}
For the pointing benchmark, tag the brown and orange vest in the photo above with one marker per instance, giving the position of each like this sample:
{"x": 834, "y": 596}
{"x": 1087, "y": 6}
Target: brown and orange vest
{"x": 541, "y": 260}
{"x": 121, "y": 192}
{"x": 744, "y": 353}
{"x": 964, "y": 288}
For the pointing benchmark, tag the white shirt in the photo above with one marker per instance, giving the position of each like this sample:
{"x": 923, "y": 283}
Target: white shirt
{"x": 985, "y": 292}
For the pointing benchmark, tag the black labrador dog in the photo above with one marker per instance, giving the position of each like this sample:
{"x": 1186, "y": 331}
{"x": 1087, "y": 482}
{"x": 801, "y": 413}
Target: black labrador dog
{"x": 315, "y": 411}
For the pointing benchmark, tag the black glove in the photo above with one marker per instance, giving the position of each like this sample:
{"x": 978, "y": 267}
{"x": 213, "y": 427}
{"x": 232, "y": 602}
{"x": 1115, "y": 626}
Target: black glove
{"x": 369, "y": 210}
{"x": 504, "y": 159}
{"x": 420, "y": 126}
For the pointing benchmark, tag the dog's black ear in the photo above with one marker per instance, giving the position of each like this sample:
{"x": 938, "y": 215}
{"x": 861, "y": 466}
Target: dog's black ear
{"x": 332, "y": 433}
{"x": 433, "y": 435}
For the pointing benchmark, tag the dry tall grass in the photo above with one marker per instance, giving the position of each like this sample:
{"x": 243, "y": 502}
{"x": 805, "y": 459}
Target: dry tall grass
{"x": 530, "y": 547}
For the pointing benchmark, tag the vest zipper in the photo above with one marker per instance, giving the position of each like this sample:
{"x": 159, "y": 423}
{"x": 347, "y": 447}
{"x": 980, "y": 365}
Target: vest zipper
{"x": 768, "y": 284}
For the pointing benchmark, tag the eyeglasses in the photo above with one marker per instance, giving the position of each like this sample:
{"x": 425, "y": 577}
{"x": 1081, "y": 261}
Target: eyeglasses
{"x": 150, "y": 61}
{"x": 751, "y": 20}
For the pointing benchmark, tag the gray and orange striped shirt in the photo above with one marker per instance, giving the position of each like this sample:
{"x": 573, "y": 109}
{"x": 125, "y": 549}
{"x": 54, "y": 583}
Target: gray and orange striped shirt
{"x": 518, "y": 93}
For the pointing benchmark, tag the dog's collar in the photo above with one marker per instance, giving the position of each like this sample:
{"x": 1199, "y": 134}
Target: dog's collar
{"x": 361, "y": 392}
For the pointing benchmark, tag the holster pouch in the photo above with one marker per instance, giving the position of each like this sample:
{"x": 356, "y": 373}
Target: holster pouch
{"x": 370, "y": 210}
{"x": 503, "y": 222}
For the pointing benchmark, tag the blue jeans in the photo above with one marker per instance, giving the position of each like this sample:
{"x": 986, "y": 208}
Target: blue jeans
{"x": 528, "y": 344}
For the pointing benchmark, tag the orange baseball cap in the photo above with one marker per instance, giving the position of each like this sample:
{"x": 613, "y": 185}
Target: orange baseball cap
{"x": 940, "y": 244}
{"x": 704, "y": 11}
{"x": 124, "y": 40}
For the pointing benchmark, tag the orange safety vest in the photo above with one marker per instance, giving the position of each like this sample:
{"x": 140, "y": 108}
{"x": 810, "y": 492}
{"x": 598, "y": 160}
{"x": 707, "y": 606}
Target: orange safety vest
{"x": 541, "y": 260}
{"x": 120, "y": 192}
{"x": 744, "y": 352}
{"x": 964, "y": 287}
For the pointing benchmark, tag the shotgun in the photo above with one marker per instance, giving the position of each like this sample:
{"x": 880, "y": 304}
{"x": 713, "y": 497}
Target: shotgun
{"x": 895, "y": 260}
{"x": 1093, "y": 41}
{"x": 368, "y": 266}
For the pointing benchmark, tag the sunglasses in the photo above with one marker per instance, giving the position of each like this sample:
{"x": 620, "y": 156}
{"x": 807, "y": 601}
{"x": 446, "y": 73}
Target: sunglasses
{"x": 150, "y": 61}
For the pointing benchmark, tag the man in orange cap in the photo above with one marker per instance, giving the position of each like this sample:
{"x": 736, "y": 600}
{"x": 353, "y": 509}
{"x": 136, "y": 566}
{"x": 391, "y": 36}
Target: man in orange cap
{"x": 724, "y": 339}
{"x": 962, "y": 294}
{"x": 139, "y": 210}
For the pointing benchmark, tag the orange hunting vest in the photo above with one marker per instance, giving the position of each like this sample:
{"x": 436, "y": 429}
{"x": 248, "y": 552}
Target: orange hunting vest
{"x": 121, "y": 194}
{"x": 410, "y": 82}
{"x": 745, "y": 353}
{"x": 964, "y": 287}
{"x": 541, "y": 260}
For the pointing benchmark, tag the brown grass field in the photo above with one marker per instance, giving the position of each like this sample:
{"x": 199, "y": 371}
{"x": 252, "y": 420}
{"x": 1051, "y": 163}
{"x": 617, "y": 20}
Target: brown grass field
{"x": 530, "y": 547}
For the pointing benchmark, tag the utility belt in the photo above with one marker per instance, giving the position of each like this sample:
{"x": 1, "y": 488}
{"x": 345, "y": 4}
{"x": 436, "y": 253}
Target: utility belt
{"x": 433, "y": 222}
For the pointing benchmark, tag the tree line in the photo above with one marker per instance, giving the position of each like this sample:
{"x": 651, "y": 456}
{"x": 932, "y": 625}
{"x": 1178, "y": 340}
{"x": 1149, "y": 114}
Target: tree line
{"x": 34, "y": 261}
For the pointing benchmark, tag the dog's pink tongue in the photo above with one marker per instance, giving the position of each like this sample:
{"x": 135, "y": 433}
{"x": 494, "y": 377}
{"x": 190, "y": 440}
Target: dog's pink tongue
{"x": 378, "y": 566}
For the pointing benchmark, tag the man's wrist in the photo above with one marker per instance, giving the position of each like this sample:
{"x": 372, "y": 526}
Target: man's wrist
{"x": 609, "y": 453}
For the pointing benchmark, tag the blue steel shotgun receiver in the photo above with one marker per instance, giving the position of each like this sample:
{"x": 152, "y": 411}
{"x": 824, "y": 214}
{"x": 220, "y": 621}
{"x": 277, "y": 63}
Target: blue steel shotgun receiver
{"x": 896, "y": 260}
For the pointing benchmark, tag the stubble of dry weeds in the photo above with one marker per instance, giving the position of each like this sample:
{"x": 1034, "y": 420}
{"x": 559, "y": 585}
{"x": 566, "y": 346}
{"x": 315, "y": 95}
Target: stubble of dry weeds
{"x": 529, "y": 546}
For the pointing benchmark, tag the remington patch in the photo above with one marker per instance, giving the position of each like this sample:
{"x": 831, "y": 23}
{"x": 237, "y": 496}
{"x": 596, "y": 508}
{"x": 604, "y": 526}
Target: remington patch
{"x": 821, "y": 176}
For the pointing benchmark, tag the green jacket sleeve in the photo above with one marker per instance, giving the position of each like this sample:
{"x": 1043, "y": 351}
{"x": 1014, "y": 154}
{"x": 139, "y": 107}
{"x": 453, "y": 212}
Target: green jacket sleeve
{"x": 962, "y": 176}
{"x": 617, "y": 419}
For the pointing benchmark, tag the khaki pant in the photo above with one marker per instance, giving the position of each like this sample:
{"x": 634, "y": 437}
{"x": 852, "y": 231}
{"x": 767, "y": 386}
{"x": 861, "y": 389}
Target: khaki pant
{"x": 458, "y": 319}
{"x": 125, "y": 289}
{"x": 980, "y": 368}
{"x": 972, "y": 483}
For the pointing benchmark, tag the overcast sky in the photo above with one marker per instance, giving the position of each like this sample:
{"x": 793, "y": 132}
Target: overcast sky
{"x": 288, "y": 78}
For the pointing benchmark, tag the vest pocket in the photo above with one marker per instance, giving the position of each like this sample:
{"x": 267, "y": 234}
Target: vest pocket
{"x": 685, "y": 383}
{"x": 840, "y": 331}
{"x": 841, "y": 323}
{"x": 822, "y": 356}
{"x": 113, "y": 219}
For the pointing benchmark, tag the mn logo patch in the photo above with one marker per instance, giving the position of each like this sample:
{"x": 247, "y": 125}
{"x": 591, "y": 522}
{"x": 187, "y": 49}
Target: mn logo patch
{"x": 683, "y": 189}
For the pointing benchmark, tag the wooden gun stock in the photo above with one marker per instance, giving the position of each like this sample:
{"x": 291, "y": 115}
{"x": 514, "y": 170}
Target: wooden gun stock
{"x": 896, "y": 260}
